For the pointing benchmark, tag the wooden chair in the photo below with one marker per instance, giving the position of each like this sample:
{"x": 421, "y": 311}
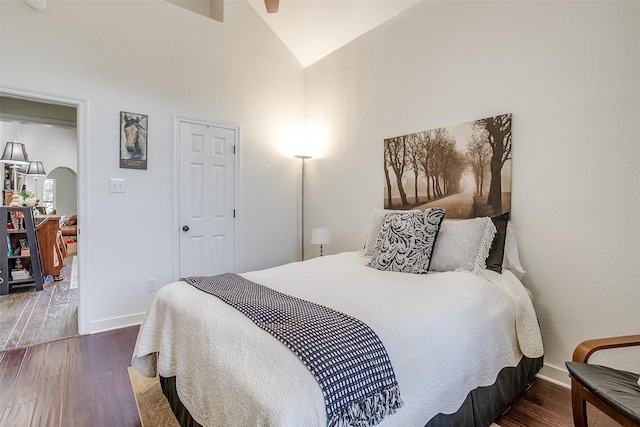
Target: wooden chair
{"x": 614, "y": 392}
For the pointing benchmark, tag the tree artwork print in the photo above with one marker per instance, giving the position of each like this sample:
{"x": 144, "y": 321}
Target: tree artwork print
{"x": 465, "y": 169}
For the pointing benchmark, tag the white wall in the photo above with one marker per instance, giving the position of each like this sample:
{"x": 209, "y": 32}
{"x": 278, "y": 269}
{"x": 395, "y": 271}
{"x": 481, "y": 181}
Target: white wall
{"x": 570, "y": 74}
{"x": 154, "y": 58}
{"x": 66, "y": 191}
{"x": 54, "y": 146}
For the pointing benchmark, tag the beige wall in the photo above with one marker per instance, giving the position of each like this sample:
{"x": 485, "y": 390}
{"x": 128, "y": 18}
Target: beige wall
{"x": 152, "y": 57}
{"x": 569, "y": 73}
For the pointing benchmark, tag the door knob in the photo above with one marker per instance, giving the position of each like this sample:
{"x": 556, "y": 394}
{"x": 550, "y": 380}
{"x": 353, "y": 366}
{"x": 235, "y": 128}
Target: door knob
{"x": 185, "y": 228}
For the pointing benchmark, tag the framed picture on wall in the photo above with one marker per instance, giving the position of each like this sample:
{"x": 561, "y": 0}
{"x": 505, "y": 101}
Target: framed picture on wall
{"x": 133, "y": 140}
{"x": 465, "y": 169}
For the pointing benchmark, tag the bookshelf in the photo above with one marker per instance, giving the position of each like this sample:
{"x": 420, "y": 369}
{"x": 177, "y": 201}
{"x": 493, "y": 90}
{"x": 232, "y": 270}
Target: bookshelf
{"x": 20, "y": 259}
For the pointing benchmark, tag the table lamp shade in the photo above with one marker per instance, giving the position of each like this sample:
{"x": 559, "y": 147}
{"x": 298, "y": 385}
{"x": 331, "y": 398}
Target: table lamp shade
{"x": 320, "y": 236}
{"x": 35, "y": 168}
{"x": 14, "y": 152}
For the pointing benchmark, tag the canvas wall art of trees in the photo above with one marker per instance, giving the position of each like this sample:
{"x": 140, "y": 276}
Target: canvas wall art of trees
{"x": 464, "y": 169}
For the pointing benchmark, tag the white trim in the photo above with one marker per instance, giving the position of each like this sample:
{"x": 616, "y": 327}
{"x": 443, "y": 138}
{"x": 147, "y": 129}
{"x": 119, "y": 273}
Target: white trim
{"x": 176, "y": 185}
{"x": 112, "y": 323}
{"x": 81, "y": 105}
{"x": 555, "y": 375}
{"x": 38, "y": 120}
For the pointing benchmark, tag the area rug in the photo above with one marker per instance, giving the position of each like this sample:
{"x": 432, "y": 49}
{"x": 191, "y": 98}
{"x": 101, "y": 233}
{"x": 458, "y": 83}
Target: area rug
{"x": 153, "y": 407}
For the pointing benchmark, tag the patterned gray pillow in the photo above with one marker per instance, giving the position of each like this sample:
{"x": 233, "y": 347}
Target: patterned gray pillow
{"x": 377, "y": 219}
{"x": 406, "y": 240}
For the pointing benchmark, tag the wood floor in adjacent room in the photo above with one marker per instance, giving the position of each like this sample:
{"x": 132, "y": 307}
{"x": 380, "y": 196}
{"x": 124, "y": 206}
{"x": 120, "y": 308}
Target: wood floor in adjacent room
{"x": 83, "y": 381}
{"x": 30, "y": 317}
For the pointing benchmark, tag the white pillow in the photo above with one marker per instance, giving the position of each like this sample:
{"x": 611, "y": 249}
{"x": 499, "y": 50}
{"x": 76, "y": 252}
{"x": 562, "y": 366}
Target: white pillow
{"x": 511, "y": 259}
{"x": 463, "y": 245}
{"x": 377, "y": 218}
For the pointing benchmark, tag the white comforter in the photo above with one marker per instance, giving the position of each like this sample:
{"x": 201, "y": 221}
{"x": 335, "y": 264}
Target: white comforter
{"x": 446, "y": 334}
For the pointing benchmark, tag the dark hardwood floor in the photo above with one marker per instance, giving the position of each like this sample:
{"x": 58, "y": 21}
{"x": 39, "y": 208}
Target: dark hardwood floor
{"x": 83, "y": 381}
{"x": 545, "y": 404}
{"x": 78, "y": 381}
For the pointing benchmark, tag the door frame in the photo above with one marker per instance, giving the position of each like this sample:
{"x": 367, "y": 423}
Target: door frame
{"x": 81, "y": 105}
{"x": 175, "y": 202}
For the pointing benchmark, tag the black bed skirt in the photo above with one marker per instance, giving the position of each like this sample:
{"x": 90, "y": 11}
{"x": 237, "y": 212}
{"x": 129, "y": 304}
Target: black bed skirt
{"x": 484, "y": 404}
{"x": 481, "y": 407}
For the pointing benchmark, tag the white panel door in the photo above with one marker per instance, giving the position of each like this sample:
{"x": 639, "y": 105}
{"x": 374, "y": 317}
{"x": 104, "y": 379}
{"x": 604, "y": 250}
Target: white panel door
{"x": 207, "y": 199}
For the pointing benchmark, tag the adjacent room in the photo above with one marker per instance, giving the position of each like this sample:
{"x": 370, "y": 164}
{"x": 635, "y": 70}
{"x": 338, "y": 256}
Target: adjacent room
{"x": 40, "y": 302}
{"x": 209, "y": 137}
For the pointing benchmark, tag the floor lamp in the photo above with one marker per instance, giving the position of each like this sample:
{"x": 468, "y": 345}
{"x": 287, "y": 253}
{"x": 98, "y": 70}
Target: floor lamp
{"x": 303, "y": 158}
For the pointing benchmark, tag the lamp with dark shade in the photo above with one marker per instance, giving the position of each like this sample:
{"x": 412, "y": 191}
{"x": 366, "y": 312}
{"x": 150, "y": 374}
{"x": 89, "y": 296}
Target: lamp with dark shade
{"x": 15, "y": 153}
{"x": 36, "y": 169}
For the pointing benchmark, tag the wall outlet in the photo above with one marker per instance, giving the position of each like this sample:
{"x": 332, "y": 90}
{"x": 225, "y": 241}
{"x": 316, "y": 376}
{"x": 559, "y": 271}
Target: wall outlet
{"x": 151, "y": 285}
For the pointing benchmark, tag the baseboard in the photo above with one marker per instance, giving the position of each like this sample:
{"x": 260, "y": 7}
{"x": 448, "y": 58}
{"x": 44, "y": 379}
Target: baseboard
{"x": 112, "y": 323}
{"x": 555, "y": 375}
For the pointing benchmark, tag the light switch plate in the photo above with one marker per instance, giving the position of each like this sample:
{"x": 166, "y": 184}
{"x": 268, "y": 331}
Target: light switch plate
{"x": 117, "y": 185}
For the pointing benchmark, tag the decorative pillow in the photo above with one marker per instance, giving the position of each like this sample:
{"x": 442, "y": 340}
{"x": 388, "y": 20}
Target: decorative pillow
{"x": 406, "y": 240}
{"x": 463, "y": 245}
{"x": 496, "y": 253}
{"x": 511, "y": 259}
{"x": 377, "y": 218}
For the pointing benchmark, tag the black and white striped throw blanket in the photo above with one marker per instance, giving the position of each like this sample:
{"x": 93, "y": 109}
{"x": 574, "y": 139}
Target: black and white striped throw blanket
{"x": 346, "y": 357}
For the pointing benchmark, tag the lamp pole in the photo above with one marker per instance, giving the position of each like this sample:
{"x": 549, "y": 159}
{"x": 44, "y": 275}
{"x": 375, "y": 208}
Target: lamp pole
{"x": 303, "y": 158}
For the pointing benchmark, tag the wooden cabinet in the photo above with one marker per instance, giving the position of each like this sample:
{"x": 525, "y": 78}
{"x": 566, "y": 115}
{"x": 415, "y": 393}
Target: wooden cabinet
{"x": 52, "y": 250}
{"x": 21, "y": 249}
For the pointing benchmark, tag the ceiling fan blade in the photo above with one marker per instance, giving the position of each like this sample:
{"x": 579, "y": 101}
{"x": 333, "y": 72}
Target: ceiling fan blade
{"x": 272, "y": 5}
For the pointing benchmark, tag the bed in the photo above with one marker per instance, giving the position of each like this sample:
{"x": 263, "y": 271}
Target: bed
{"x": 462, "y": 343}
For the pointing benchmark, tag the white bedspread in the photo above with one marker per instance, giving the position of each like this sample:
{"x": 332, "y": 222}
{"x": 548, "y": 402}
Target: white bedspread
{"x": 446, "y": 334}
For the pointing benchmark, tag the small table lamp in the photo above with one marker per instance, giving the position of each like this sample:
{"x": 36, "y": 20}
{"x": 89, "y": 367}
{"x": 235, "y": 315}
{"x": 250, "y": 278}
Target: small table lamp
{"x": 36, "y": 169}
{"x": 15, "y": 153}
{"x": 320, "y": 236}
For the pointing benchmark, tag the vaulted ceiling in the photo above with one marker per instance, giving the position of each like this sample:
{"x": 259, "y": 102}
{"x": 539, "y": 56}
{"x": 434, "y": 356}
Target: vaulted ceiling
{"x": 312, "y": 29}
